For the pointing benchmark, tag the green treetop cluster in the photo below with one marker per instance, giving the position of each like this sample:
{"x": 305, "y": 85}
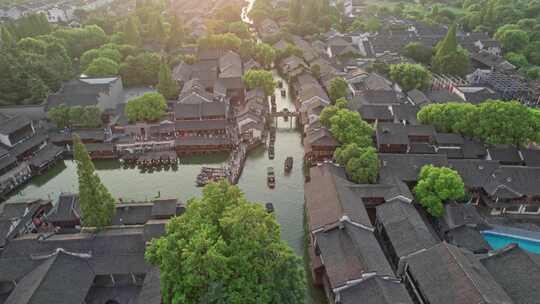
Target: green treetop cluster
{"x": 410, "y": 76}
{"x": 225, "y": 249}
{"x": 150, "y": 107}
{"x": 356, "y": 153}
{"x": 261, "y": 79}
{"x": 450, "y": 57}
{"x": 493, "y": 121}
{"x": 84, "y": 117}
{"x": 97, "y": 204}
{"x": 437, "y": 185}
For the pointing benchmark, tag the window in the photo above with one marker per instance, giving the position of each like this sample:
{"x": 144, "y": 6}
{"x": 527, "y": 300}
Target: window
{"x": 531, "y": 209}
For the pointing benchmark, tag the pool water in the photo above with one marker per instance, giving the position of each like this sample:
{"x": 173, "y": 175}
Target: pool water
{"x": 498, "y": 241}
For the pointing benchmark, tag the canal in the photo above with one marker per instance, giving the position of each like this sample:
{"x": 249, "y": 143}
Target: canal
{"x": 132, "y": 184}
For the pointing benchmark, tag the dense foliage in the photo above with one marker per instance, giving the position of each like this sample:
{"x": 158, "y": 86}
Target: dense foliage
{"x": 97, "y": 204}
{"x": 167, "y": 86}
{"x": 339, "y": 88}
{"x": 261, "y": 79}
{"x": 140, "y": 70}
{"x": 494, "y": 121}
{"x": 225, "y": 249}
{"x": 348, "y": 127}
{"x": 85, "y": 117}
{"x": 450, "y": 57}
{"x": 437, "y": 185}
{"x": 410, "y": 76}
{"x": 102, "y": 67}
{"x": 149, "y": 107}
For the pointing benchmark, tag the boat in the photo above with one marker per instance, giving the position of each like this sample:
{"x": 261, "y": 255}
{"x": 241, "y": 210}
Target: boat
{"x": 273, "y": 98}
{"x": 271, "y": 152}
{"x": 280, "y": 84}
{"x": 269, "y": 207}
{"x": 288, "y": 164}
{"x": 283, "y": 93}
{"x": 271, "y": 177}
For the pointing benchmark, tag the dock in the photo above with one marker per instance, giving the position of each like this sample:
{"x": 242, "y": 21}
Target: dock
{"x": 209, "y": 174}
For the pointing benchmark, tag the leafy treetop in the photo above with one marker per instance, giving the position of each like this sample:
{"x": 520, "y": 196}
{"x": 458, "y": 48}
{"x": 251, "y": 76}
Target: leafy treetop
{"x": 149, "y": 107}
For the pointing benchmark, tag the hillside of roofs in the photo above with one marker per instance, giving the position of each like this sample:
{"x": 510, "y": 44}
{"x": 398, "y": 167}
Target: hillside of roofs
{"x": 419, "y": 124}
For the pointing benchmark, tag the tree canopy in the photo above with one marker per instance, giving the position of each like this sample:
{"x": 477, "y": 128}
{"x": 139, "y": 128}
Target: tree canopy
{"x": 149, "y": 107}
{"x": 364, "y": 168}
{"x": 437, "y": 185}
{"x": 97, "y": 204}
{"x": 261, "y": 79}
{"x": 493, "y": 121}
{"x": 86, "y": 117}
{"x": 225, "y": 249}
{"x": 338, "y": 89}
{"x": 167, "y": 86}
{"x": 348, "y": 127}
{"x": 140, "y": 70}
{"x": 101, "y": 67}
{"x": 410, "y": 76}
{"x": 450, "y": 57}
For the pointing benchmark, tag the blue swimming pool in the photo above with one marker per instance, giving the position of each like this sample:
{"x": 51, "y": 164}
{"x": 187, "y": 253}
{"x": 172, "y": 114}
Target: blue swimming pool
{"x": 499, "y": 240}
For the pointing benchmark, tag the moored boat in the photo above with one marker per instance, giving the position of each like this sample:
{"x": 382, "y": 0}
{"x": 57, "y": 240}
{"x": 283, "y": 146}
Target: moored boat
{"x": 288, "y": 164}
{"x": 271, "y": 177}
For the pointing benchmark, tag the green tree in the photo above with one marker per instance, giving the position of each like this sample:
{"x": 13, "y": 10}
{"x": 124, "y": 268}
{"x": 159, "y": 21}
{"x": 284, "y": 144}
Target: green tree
{"x": 260, "y": 79}
{"x": 101, "y": 67}
{"x": 410, "y": 76}
{"x": 177, "y": 34}
{"x": 329, "y": 111}
{"x": 514, "y": 40}
{"x": 516, "y": 59}
{"x": 315, "y": 70}
{"x": 97, "y": 204}
{"x": 373, "y": 24}
{"x": 59, "y": 116}
{"x": 456, "y": 117}
{"x": 225, "y": 249}
{"x": 149, "y": 107}
{"x": 166, "y": 85}
{"x": 419, "y": 52}
{"x": 91, "y": 117}
{"x": 240, "y": 29}
{"x": 265, "y": 54}
{"x": 364, "y": 168}
{"x": 503, "y": 122}
{"x": 343, "y": 154}
{"x": 140, "y": 70}
{"x": 437, "y": 185}
{"x": 347, "y": 127}
{"x": 450, "y": 58}
{"x": 339, "y": 88}
{"x": 7, "y": 40}
{"x": 131, "y": 31}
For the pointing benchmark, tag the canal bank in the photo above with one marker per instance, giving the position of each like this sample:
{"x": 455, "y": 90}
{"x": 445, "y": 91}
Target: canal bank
{"x": 132, "y": 184}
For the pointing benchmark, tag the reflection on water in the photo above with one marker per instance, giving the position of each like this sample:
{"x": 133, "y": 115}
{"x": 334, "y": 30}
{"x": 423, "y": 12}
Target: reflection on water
{"x": 132, "y": 184}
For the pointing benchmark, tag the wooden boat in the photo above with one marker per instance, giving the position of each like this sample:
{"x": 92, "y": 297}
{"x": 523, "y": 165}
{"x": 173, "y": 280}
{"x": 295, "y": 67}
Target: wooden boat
{"x": 271, "y": 152}
{"x": 283, "y": 93}
{"x": 288, "y": 164}
{"x": 280, "y": 84}
{"x": 269, "y": 207}
{"x": 271, "y": 177}
{"x": 273, "y": 98}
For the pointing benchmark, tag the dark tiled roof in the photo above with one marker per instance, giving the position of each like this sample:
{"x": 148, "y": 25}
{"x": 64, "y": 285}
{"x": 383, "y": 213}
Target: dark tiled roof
{"x": 44, "y": 156}
{"x": 376, "y": 290}
{"x": 474, "y": 172}
{"x": 67, "y": 209}
{"x": 517, "y": 271}
{"x": 164, "y": 208}
{"x": 61, "y": 278}
{"x": 473, "y": 148}
{"x": 531, "y": 157}
{"x": 349, "y": 252}
{"x": 407, "y": 113}
{"x": 468, "y": 238}
{"x": 328, "y": 198}
{"x": 405, "y": 228}
{"x": 373, "y": 112}
{"x": 505, "y": 154}
{"x": 476, "y": 95}
{"x": 132, "y": 213}
{"x": 406, "y": 167}
{"x": 199, "y": 110}
{"x": 151, "y": 290}
{"x": 321, "y": 137}
{"x": 514, "y": 182}
{"x": 80, "y": 92}
{"x": 14, "y": 124}
{"x": 451, "y": 152}
{"x": 445, "y": 274}
{"x": 189, "y": 125}
{"x": 378, "y": 97}
{"x": 442, "y": 96}
{"x": 421, "y": 148}
{"x": 449, "y": 139}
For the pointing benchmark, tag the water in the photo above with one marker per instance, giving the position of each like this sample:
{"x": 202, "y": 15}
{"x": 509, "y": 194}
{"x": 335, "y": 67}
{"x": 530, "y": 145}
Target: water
{"x": 132, "y": 184}
{"x": 497, "y": 241}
